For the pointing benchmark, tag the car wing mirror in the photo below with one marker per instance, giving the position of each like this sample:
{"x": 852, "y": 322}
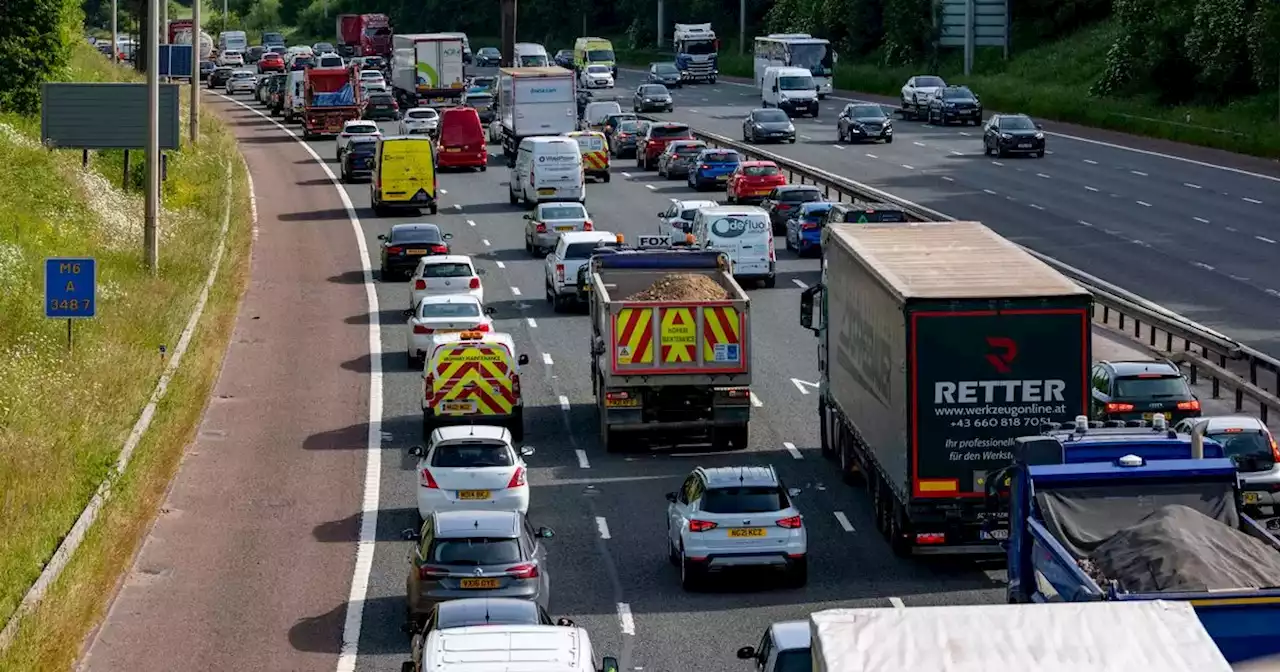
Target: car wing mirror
{"x": 407, "y": 312}
{"x": 1040, "y": 127}
{"x": 410, "y": 534}
{"x": 490, "y": 310}
{"x": 546, "y": 533}
{"x": 526, "y": 451}
{"x": 671, "y": 497}
{"x": 417, "y": 451}
{"x": 527, "y": 216}
{"x": 746, "y": 653}
{"x": 794, "y": 492}
{"x": 447, "y": 236}
{"x": 382, "y": 236}
{"x": 522, "y": 360}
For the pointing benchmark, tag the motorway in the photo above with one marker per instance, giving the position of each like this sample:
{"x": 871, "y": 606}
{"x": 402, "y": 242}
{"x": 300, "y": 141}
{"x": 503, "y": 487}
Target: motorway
{"x": 252, "y": 561}
{"x": 1199, "y": 238}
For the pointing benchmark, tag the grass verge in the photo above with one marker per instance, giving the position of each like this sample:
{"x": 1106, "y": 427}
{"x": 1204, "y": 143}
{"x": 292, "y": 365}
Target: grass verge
{"x": 64, "y": 417}
{"x": 1052, "y": 82}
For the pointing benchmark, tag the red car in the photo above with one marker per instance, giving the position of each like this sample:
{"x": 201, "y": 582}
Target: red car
{"x": 462, "y": 140}
{"x": 753, "y": 181}
{"x": 271, "y": 62}
{"x": 655, "y": 140}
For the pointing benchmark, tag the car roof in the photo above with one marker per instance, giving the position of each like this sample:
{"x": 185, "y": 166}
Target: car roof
{"x": 478, "y": 610}
{"x": 1224, "y": 422}
{"x": 728, "y": 477}
{"x": 423, "y": 226}
{"x": 586, "y": 236}
{"x": 1137, "y": 367}
{"x": 757, "y": 164}
{"x": 447, "y": 259}
{"x": 459, "y": 432}
{"x": 464, "y": 524}
{"x": 789, "y": 635}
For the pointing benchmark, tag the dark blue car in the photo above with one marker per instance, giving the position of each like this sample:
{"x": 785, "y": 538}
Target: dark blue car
{"x": 804, "y": 231}
{"x": 712, "y": 167}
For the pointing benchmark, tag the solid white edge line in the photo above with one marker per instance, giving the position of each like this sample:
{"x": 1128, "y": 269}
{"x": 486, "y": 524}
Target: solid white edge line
{"x": 625, "y": 621}
{"x": 583, "y": 462}
{"x": 844, "y": 521}
{"x": 791, "y": 448}
{"x": 75, "y": 536}
{"x": 602, "y": 526}
{"x": 373, "y": 441}
{"x": 897, "y": 603}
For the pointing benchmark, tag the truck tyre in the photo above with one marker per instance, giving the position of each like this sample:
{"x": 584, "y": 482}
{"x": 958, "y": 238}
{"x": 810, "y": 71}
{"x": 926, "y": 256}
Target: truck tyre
{"x": 849, "y": 471}
{"x": 824, "y": 438}
{"x": 798, "y": 573}
{"x": 433, "y": 208}
{"x": 898, "y": 532}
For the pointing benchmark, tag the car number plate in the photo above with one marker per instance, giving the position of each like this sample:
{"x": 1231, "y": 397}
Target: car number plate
{"x": 1250, "y": 498}
{"x": 621, "y": 403}
{"x": 416, "y": 250}
{"x": 452, "y": 149}
{"x": 747, "y": 532}
{"x": 722, "y": 178}
{"x": 546, "y": 192}
{"x": 1024, "y": 145}
{"x": 473, "y": 495}
{"x": 564, "y": 228}
{"x": 999, "y": 535}
{"x": 1148, "y": 416}
{"x": 478, "y": 583}
{"x": 458, "y": 407}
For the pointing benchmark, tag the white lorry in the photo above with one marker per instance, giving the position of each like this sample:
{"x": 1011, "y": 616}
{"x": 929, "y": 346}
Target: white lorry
{"x": 427, "y": 70}
{"x": 535, "y": 101}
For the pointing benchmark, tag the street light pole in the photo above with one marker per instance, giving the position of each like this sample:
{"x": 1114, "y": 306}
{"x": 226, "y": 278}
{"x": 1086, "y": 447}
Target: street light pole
{"x": 149, "y": 237}
{"x": 196, "y": 42}
{"x": 115, "y": 33}
{"x": 742, "y": 26}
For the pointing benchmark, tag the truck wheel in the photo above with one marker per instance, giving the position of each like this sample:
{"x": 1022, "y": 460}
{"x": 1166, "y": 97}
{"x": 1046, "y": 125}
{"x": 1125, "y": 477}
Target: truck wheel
{"x": 824, "y": 438}
{"x": 433, "y": 208}
{"x": 850, "y": 473}
{"x": 898, "y": 531}
{"x": 606, "y": 177}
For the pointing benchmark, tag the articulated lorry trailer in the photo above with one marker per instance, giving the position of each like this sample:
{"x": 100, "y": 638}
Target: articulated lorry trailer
{"x": 535, "y": 101}
{"x": 939, "y": 344}
{"x": 428, "y": 70}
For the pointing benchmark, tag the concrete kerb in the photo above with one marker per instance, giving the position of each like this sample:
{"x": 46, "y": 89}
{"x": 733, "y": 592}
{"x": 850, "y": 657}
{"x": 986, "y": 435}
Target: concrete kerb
{"x": 75, "y": 537}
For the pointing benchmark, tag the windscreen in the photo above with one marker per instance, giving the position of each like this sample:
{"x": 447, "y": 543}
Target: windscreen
{"x": 699, "y": 47}
{"x": 814, "y": 57}
{"x": 536, "y": 61}
{"x": 564, "y": 212}
{"x": 473, "y": 454}
{"x": 1083, "y": 517}
{"x": 794, "y": 660}
{"x": 745, "y": 499}
{"x": 475, "y": 552}
{"x": 446, "y": 270}
{"x": 600, "y": 55}
{"x": 761, "y": 171}
{"x": 801, "y": 83}
{"x": 669, "y": 132}
{"x": 770, "y": 116}
{"x": 579, "y": 250}
{"x": 447, "y": 310}
{"x": 1151, "y": 388}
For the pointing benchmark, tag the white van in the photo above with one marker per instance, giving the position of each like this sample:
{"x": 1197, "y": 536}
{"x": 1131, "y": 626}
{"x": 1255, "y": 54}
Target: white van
{"x": 792, "y": 90}
{"x": 293, "y": 96}
{"x": 530, "y": 55}
{"x": 547, "y": 168}
{"x": 745, "y": 234}
{"x": 595, "y": 114}
{"x": 482, "y": 648}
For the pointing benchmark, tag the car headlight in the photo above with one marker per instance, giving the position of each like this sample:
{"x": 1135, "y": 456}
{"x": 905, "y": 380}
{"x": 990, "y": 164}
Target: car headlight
{"x": 791, "y": 129}
{"x": 1039, "y": 136}
{"x": 1006, "y": 136}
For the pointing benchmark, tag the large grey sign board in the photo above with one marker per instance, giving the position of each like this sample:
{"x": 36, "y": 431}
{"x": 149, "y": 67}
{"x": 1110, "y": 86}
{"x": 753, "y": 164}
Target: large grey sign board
{"x": 990, "y": 22}
{"x": 105, "y": 116}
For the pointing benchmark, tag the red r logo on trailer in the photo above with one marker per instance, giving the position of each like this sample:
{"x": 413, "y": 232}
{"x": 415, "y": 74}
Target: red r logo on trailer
{"x": 1007, "y": 350}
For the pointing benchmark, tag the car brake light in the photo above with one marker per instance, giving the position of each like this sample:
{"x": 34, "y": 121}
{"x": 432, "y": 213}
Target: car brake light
{"x": 560, "y": 272}
{"x": 773, "y": 255}
{"x": 419, "y": 329}
{"x": 588, "y": 226}
{"x": 931, "y": 538}
{"x": 395, "y": 250}
{"x": 419, "y": 284}
{"x": 1275, "y": 449}
{"x": 526, "y": 571}
{"x": 792, "y": 523}
{"x": 1119, "y": 408}
{"x": 701, "y": 525}
{"x": 531, "y": 178}
{"x": 440, "y": 249}
{"x": 425, "y": 572}
{"x": 517, "y": 479}
{"x": 515, "y": 385}
{"x": 475, "y": 283}
{"x": 480, "y": 327}
{"x": 542, "y": 228}
{"x": 344, "y": 134}
{"x": 808, "y": 226}
{"x": 1193, "y": 405}
{"x": 426, "y": 480}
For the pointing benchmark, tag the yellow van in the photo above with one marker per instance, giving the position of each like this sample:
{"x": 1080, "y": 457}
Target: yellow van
{"x": 595, "y": 153}
{"x": 404, "y": 175}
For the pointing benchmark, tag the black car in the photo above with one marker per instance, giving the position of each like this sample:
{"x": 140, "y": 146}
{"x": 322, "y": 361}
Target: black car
{"x": 1138, "y": 390}
{"x": 206, "y": 67}
{"x": 254, "y": 54}
{"x": 488, "y": 57}
{"x": 654, "y": 97}
{"x": 357, "y": 159}
{"x": 1012, "y": 134}
{"x": 218, "y": 78}
{"x": 564, "y": 58}
{"x": 666, "y": 74}
{"x": 863, "y": 212}
{"x": 374, "y": 63}
{"x": 770, "y": 125}
{"x": 625, "y": 137}
{"x": 405, "y": 244}
{"x": 484, "y": 106}
{"x": 863, "y": 121}
{"x": 381, "y": 105}
{"x": 784, "y": 202}
{"x": 612, "y": 121}
{"x": 955, "y": 103}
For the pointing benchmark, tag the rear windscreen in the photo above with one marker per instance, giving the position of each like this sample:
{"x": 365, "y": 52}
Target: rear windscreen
{"x": 669, "y": 132}
{"x": 688, "y": 151}
{"x": 579, "y": 250}
{"x": 761, "y": 171}
{"x": 450, "y": 310}
{"x": 464, "y": 455}
{"x": 874, "y": 216}
{"x": 563, "y": 212}
{"x": 421, "y": 114}
{"x": 800, "y": 196}
{"x": 415, "y": 236}
{"x": 449, "y": 270}
{"x": 474, "y": 552}
{"x": 1151, "y": 388}
{"x": 721, "y": 157}
{"x": 743, "y": 500}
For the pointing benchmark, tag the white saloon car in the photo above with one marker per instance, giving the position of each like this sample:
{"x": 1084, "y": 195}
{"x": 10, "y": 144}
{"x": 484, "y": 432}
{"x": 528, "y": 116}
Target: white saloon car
{"x": 445, "y": 274}
{"x": 471, "y": 467}
{"x": 549, "y": 221}
{"x": 596, "y": 77}
{"x": 442, "y": 314}
{"x": 353, "y": 128}
{"x": 231, "y": 59}
{"x": 419, "y": 120}
{"x": 372, "y": 77}
{"x": 241, "y": 81}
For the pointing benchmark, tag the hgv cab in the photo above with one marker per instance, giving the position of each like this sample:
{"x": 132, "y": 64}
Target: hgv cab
{"x": 462, "y": 142}
{"x": 745, "y": 234}
{"x": 472, "y": 377}
{"x": 404, "y": 175}
{"x": 595, "y": 153}
{"x": 547, "y": 168}
{"x": 791, "y": 90}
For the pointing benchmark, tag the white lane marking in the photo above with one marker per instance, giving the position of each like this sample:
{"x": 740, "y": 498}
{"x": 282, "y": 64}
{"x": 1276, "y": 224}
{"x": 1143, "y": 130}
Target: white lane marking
{"x": 1265, "y": 239}
{"x": 791, "y": 448}
{"x": 1037, "y": 207}
{"x": 500, "y": 264}
{"x": 1232, "y": 229}
{"x": 1139, "y": 173}
{"x": 546, "y": 358}
{"x": 533, "y": 324}
{"x": 989, "y": 192}
{"x": 373, "y": 442}
{"x": 650, "y": 187}
{"x": 755, "y": 401}
{"x": 966, "y": 133}
{"x": 626, "y": 174}
{"x": 918, "y": 144}
{"x": 838, "y": 146}
{"x": 1273, "y": 292}
{"x": 564, "y": 403}
{"x": 515, "y": 291}
{"x": 693, "y": 110}
{"x": 443, "y": 192}
{"x": 583, "y": 463}
{"x": 1042, "y": 176}
{"x": 1048, "y": 151}
{"x": 908, "y": 167}
{"x": 844, "y": 521}
{"x": 1193, "y": 186}
{"x": 1171, "y": 157}
{"x": 706, "y": 100}
{"x": 1205, "y": 266}
{"x": 1089, "y": 188}
{"x": 996, "y": 163}
{"x": 1081, "y": 222}
{"x": 1202, "y": 220}
{"x": 805, "y": 137}
{"x": 799, "y": 385}
{"x": 471, "y": 222}
{"x": 799, "y": 283}
{"x": 1144, "y": 204}
{"x": 872, "y": 156}
{"x": 485, "y": 241}
{"x": 1251, "y": 200}
{"x": 949, "y": 179}
{"x": 1091, "y": 162}
{"x": 897, "y": 603}
{"x": 625, "y": 621}
{"x": 602, "y": 525}
{"x": 956, "y": 153}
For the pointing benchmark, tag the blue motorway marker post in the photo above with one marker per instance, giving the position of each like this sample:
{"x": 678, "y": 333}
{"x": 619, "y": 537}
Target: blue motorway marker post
{"x": 70, "y": 290}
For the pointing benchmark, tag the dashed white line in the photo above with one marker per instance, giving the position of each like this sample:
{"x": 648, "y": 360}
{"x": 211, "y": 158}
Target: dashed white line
{"x": 1251, "y": 200}
{"x": 546, "y": 358}
{"x": 584, "y": 463}
{"x": 965, "y": 133}
{"x": 650, "y": 187}
{"x": 897, "y": 603}
{"x": 1203, "y": 265}
{"x": 1202, "y": 220}
{"x": 1091, "y": 162}
{"x": 956, "y": 153}
{"x": 755, "y": 401}
{"x": 1143, "y": 204}
{"x": 485, "y": 241}
{"x": 500, "y": 264}
{"x": 805, "y": 137}
{"x": 693, "y": 110}
{"x": 948, "y": 179}
{"x": 1037, "y": 207}
{"x": 844, "y": 521}
{"x": 625, "y": 621}
{"x": 626, "y": 174}
{"x": 515, "y": 291}
{"x": 799, "y": 386}
{"x": 564, "y": 403}
{"x": 996, "y": 163}
{"x": 602, "y": 525}
{"x": 1089, "y": 188}
{"x": 872, "y": 156}
{"x": 791, "y": 448}
{"x": 1192, "y": 186}
{"x": 1139, "y": 173}
{"x": 1273, "y": 292}
{"x": 918, "y": 144}
{"x": 1232, "y": 229}
{"x": 908, "y": 167}
{"x": 1265, "y": 239}
{"x": 838, "y": 146}
{"x": 1042, "y": 176}
{"x": 799, "y": 283}
{"x": 1081, "y": 222}
{"x": 533, "y": 324}
{"x": 443, "y": 192}
{"x": 471, "y": 222}
{"x": 989, "y": 192}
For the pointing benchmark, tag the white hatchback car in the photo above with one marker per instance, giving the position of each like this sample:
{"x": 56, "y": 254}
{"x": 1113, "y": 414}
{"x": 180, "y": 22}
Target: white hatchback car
{"x": 419, "y": 120}
{"x": 724, "y": 518}
{"x": 596, "y": 77}
{"x": 467, "y": 467}
{"x": 445, "y": 274}
{"x": 231, "y": 58}
{"x": 442, "y": 314}
{"x": 549, "y": 221}
{"x": 241, "y": 81}
{"x": 353, "y": 128}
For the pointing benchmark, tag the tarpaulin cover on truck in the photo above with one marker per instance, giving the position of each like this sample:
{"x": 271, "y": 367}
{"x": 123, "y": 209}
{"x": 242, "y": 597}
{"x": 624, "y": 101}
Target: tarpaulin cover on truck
{"x": 344, "y": 97}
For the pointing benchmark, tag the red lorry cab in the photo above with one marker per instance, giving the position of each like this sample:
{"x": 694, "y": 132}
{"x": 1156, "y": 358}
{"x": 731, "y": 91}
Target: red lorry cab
{"x": 364, "y": 34}
{"x": 462, "y": 139}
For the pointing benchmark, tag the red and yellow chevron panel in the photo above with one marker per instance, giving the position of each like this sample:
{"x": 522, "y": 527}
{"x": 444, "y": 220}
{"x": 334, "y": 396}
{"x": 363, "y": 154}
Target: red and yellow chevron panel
{"x": 721, "y": 335}
{"x": 678, "y": 335}
{"x": 633, "y": 337}
{"x": 473, "y": 381}
{"x": 595, "y": 161}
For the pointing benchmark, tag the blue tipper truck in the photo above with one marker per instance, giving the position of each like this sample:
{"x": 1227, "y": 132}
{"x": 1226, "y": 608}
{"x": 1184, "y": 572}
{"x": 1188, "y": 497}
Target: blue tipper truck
{"x": 939, "y": 344}
{"x": 1061, "y": 513}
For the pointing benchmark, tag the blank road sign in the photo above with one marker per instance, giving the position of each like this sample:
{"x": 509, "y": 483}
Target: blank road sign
{"x": 96, "y": 115}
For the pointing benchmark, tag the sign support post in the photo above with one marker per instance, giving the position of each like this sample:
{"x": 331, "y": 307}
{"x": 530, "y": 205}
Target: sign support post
{"x": 196, "y": 46}
{"x": 150, "y": 238}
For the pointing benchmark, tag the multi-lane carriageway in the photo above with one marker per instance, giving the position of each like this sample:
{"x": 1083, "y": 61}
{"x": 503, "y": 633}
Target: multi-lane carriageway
{"x": 251, "y": 563}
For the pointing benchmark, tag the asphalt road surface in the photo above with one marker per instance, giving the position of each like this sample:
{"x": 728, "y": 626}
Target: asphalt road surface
{"x": 255, "y": 577}
{"x": 1200, "y": 238}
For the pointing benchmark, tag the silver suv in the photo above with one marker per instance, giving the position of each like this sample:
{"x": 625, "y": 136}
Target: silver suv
{"x": 1247, "y": 441}
{"x": 735, "y": 517}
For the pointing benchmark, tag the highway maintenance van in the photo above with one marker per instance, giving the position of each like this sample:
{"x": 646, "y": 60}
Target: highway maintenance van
{"x": 595, "y": 153}
{"x": 404, "y": 175}
{"x": 473, "y": 377}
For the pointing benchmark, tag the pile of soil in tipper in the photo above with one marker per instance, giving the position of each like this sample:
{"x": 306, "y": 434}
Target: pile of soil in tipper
{"x": 682, "y": 287}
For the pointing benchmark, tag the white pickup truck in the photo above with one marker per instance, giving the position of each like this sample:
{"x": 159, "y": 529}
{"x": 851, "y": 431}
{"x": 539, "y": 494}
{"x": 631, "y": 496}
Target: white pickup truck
{"x": 572, "y": 250}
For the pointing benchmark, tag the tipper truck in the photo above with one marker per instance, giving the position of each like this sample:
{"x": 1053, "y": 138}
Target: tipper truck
{"x": 535, "y": 101}
{"x": 331, "y": 98}
{"x": 1133, "y": 530}
{"x": 669, "y": 369}
{"x": 939, "y": 344}
{"x": 364, "y": 35}
{"x": 427, "y": 70}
